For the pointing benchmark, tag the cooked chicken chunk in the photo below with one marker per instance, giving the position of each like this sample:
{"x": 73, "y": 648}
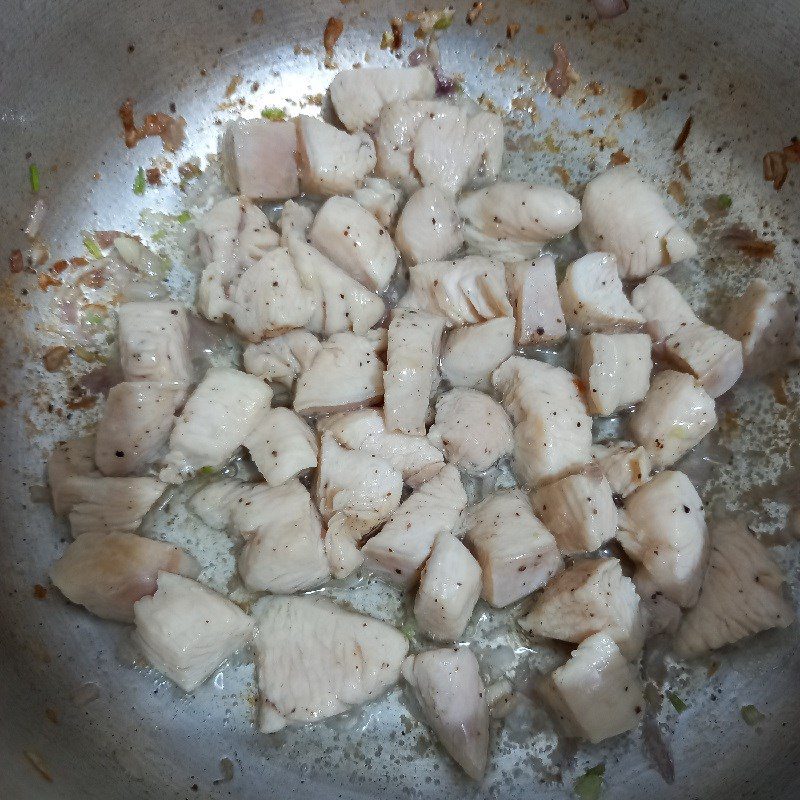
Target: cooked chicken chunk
{"x": 398, "y": 552}
{"x": 501, "y": 698}
{"x": 615, "y": 369}
{"x": 663, "y": 308}
{"x": 471, "y": 353}
{"x": 512, "y": 220}
{"x": 352, "y": 238}
{"x": 343, "y": 554}
{"x": 664, "y": 529}
{"x": 472, "y": 429}
{"x": 591, "y": 596}
{"x": 625, "y": 465}
{"x": 517, "y": 554}
{"x": 136, "y": 425}
{"x": 358, "y": 95}
{"x": 282, "y": 446}
{"x": 449, "y": 587}
{"x": 624, "y": 215}
{"x": 381, "y": 199}
{"x": 279, "y": 361}
{"x": 466, "y": 291}
{"x": 597, "y": 693}
{"x": 259, "y": 158}
{"x": 675, "y": 415}
{"x": 108, "y": 572}
{"x": 765, "y": 323}
{"x": 429, "y": 228}
{"x": 412, "y": 369}
{"x": 355, "y": 491}
{"x": 537, "y": 306}
{"x": 186, "y": 630}
{"x": 553, "y": 433}
{"x": 742, "y": 594}
{"x": 214, "y": 503}
{"x": 218, "y": 416}
{"x": 331, "y": 161}
{"x": 365, "y": 430}
{"x": 316, "y": 660}
{"x": 660, "y": 613}
{"x": 592, "y": 296}
{"x": 578, "y": 510}
{"x": 448, "y": 687}
{"x": 69, "y": 460}
{"x": 154, "y": 342}
{"x": 346, "y": 374}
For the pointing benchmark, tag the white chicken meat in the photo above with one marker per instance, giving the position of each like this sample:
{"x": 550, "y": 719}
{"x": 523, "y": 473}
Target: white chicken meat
{"x": 625, "y": 216}
{"x": 429, "y": 228}
{"x": 663, "y": 308}
{"x": 316, "y": 660}
{"x": 214, "y": 503}
{"x": 626, "y": 465}
{"x": 472, "y": 352}
{"x": 661, "y": 614}
{"x": 282, "y": 446}
{"x": 517, "y": 554}
{"x": 70, "y": 459}
{"x": 279, "y": 361}
{"x": 381, "y": 199}
{"x": 537, "y": 306}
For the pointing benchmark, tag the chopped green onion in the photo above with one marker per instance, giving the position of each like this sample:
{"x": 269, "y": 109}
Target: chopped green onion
{"x": 33, "y": 173}
{"x": 93, "y": 248}
{"x": 274, "y": 114}
{"x": 206, "y": 470}
{"x": 677, "y": 703}
{"x": 443, "y": 23}
{"x": 94, "y": 319}
{"x": 184, "y": 217}
{"x": 724, "y": 201}
{"x": 590, "y": 785}
{"x": 752, "y": 716}
{"x": 139, "y": 182}
{"x": 159, "y": 235}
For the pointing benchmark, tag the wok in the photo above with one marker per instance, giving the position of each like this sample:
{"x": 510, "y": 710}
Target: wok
{"x": 64, "y": 70}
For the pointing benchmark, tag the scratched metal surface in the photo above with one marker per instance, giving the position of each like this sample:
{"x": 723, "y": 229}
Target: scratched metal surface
{"x": 65, "y": 70}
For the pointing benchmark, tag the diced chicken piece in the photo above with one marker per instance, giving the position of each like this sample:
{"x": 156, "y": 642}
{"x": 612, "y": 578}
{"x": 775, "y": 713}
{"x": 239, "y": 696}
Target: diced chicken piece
{"x": 358, "y": 95}
{"x": 512, "y": 220}
{"x": 742, "y": 594}
{"x": 659, "y": 612}
{"x": 282, "y": 445}
{"x": 471, "y": 353}
{"x": 449, "y": 689}
{"x": 517, "y": 554}
{"x": 284, "y": 551}
{"x": 597, "y": 694}
{"x": 466, "y": 291}
{"x": 365, "y": 430}
{"x": 537, "y": 306}
{"x": 71, "y": 459}
{"x": 108, "y": 572}
{"x": 615, "y": 369}
{"x": 279, "y": 361}
{"x": 345, "y": 374}
{"x": 218, "y": 416}
{"x": 664, "y": 529}
{"x": 472, "y": 429}
{"x": 136, "y": 425}
{"x": 675, "y": 415}
{"x": 214, "y": 503}
{"x": 501, "y": 698}
{"x": 589, "y": 597}
{"x": 553, "y": 432}
{"x": 154, "y": 342}
{"x": 381, "y": 199}
{"x": 354, "y": 240}
{"x": 624, "y": 215}
{"x": 765, "y": 322}
{"x": 625, "y": 465}
{"x": 663, "y": 308}
{"x": 259, "y": 158}
{"x": 592, "y": 296}
{"x": 578, "y": 510}
{"x": 332, "y": 161}
{"x": 398, "y": 552}
{"x": 355, "y": 491}
{"x": 449, "y": 587}
{"x": 186, "y": 630}
{"x": 412, "y": 369}
{"x": 429, "y": 228}
{"x": 316, "y": 660}
{"x": 344, "y": 557}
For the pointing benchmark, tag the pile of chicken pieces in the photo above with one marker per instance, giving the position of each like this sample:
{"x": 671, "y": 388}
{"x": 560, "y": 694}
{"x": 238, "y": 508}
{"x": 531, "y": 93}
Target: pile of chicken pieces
{"x": 362, "y": 420}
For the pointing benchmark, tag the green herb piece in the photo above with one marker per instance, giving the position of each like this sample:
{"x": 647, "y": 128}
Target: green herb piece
{"x": 443, "y": 23}
{"x": 139, "y": 182}
{"x": 206, "y": 470}
{"x": 33, "y": 174}
{"x": 274, "y": 114}
{"x": 407, "y": 629}
{"x": 94, "y": 319}
{"x": 752, "y": 716}
{"x": 159, "y": 235}
{"x": 93, "y": 248}
{"x": 677, "y": 703}
{"x": 184, "y": 217}
{"x": 724, "y": 201}
{"x": 590, "y": 785}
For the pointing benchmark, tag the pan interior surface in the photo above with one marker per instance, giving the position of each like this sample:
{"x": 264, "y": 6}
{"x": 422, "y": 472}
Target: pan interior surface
{"x": 731, "y": 67}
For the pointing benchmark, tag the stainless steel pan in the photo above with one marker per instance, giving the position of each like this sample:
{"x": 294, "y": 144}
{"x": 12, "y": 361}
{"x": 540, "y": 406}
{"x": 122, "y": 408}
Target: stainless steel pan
{"x": 64, "y": 70}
